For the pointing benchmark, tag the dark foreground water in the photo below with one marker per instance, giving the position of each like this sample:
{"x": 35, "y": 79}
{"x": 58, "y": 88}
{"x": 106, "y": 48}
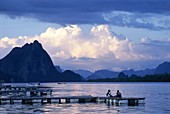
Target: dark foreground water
{"x": 157, "y": 99}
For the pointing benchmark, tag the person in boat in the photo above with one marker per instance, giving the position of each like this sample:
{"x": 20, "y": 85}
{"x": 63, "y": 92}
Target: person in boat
{"x": 118, "y": 94}
{"x": 109, "y": 93}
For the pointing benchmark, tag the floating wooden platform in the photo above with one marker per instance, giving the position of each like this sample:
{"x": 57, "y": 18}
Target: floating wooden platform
{"x": 34, "y": 94}
{"x": 68, "y": 99}
{"x": 9, "y": 87}
{"x": 24, "y": 91}
{"x": 27, "y": 90}
{"x": 132, "y": 101}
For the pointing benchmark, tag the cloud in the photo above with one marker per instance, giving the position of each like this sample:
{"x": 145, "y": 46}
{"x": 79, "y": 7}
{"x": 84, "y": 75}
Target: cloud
{"x": 92, "y": 12}
{"x": 103, "y": 49}
{"x": 139, "y": 20}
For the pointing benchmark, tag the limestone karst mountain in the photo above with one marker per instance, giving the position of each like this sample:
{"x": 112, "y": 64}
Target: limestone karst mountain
{"x": 30, "y": 63}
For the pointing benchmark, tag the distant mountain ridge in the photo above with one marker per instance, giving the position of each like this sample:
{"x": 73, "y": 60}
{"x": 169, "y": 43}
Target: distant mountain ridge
{"x": 31, "y": 63}
{"x": 103, "y": 74}
{"x": 84, "y": 73}
{"x": 139, "y": 72}
{"x": 163, "y": 68}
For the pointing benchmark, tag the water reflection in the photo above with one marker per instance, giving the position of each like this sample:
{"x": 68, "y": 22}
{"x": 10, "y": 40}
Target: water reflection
{"x": 157, "y": 99}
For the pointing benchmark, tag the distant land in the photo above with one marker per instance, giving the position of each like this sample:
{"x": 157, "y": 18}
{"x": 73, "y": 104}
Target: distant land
{"x": 134, "y": 78}
{"x": 31, "y": 63}
{"x": 162, "y": 69}
{"x": 84, "y": 73}
{"x": 103, "y": 74}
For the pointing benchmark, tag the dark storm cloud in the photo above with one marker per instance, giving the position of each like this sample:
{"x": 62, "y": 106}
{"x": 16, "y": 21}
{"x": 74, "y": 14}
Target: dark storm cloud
{"x": 83, "y": 11}
{"x": 139, "y": 20}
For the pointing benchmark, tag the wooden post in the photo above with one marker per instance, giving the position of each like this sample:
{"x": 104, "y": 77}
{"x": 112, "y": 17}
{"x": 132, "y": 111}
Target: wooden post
{"x": 59, "y": 100}
{"x": 42, "y": 101}
{"x": 30, "y": 101}
{"x": 41, "y": 93}
{"x": 48, "y": 100}
{"x": 23, "y": 101}
{"x": 93, "y": 99}
{"x": 11, "y": 101}
{"x": 67, "y": 100}
{"x": 81, "y": 100}
{"x": 105, "y": 100}
{"x": 112, "y": 101}
{"x": 132, "y": 102}
{"x": 117, "y": 102}
{"x": 31, "y": 93}
{"x": 137, "y": 102}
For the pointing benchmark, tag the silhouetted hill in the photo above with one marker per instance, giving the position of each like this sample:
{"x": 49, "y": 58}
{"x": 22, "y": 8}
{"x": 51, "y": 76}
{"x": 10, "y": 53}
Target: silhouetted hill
{"x": 3, "y": 76}
{"x": 163, "y": 68}
{"x": 84, "y": 73}
{"x": 71, "y": 76}
{"x": 103, "y": 74}
{"x": 30, "y": 63}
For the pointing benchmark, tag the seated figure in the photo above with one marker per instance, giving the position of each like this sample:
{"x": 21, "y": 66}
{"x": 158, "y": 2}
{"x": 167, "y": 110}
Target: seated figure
{"x": 109, "y": 93}
{"x": 118, "y": 94}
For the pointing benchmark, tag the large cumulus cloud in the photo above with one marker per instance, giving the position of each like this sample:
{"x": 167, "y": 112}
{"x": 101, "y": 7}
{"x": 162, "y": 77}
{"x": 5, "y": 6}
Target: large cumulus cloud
{"x": 143, "y": 13}
{"x": 72, "y": 48}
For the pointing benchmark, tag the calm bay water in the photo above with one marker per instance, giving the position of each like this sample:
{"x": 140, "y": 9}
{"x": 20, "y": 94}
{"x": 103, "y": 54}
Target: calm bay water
{"x": 157, "y": 99}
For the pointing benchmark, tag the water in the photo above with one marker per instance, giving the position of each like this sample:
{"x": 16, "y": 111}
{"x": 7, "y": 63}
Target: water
{"x": 157, "y": 99}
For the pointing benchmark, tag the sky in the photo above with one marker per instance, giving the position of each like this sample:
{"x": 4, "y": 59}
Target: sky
{"x": 90, "y": 34}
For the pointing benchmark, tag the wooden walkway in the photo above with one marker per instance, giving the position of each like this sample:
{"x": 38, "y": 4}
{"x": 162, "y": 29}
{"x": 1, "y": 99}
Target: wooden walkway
{"x": 68, "y": 99}
{"x": 132, "y": 101}
{"x": 34, "y": 94}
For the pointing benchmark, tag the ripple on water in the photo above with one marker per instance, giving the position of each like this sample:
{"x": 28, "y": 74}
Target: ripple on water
{"x": 156, "y": 94}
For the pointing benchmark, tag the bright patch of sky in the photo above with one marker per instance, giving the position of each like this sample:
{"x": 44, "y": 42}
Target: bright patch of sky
{"x": 21, "y": 26}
